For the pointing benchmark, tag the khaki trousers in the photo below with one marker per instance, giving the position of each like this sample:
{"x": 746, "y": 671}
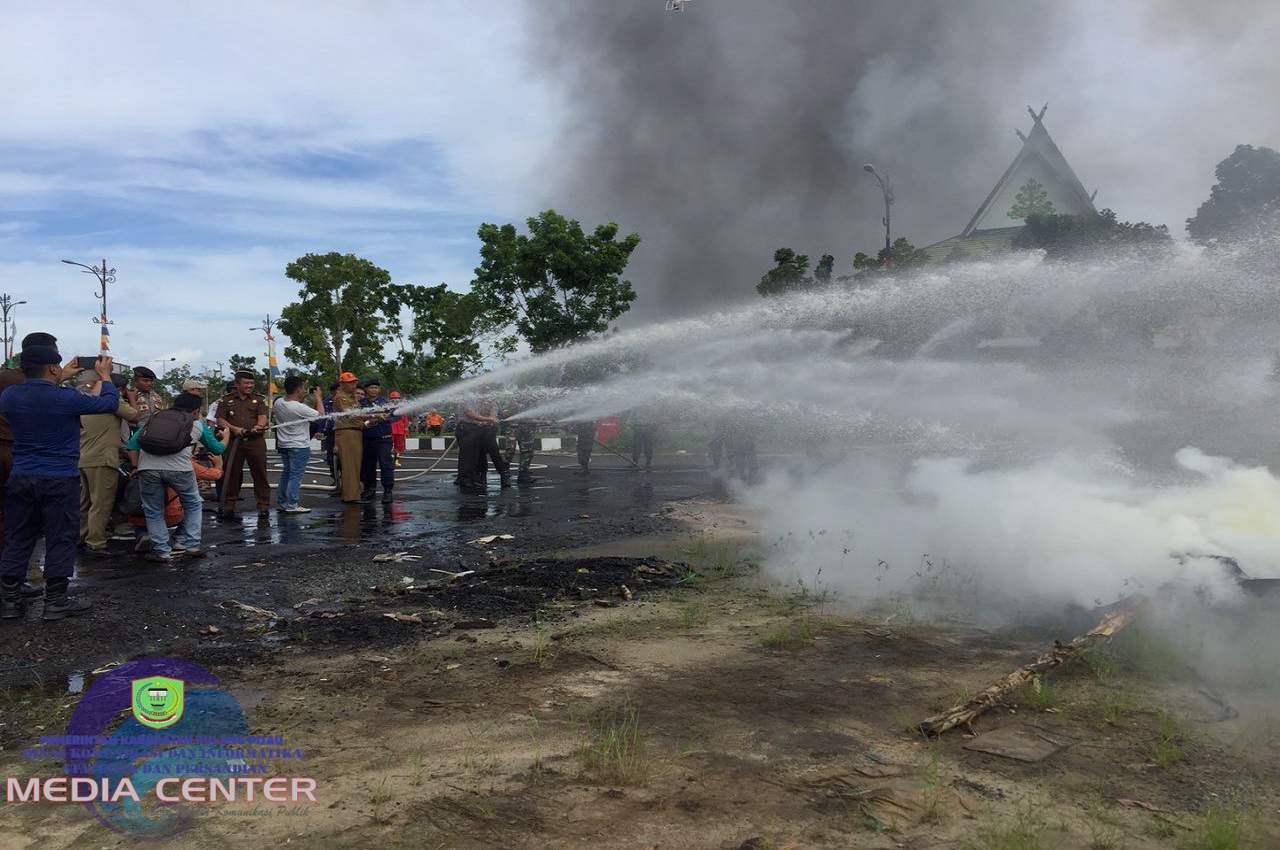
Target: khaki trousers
{"x": 97, "y": 502}
{"x": 350, "y": 446}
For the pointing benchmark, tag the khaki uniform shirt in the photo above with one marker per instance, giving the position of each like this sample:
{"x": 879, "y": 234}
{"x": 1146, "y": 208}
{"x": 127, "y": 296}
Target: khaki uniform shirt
{"x": 342, "y": 402}
{"x": 100, "y": 437}
{"x": 242, "y": 412}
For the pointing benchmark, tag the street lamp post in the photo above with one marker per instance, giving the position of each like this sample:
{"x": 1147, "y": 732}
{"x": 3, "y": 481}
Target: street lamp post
{"x": 105, "y": 275}
{"x": 7, "y": 305}
{"x": 267, "y": 327}
{"x": 886, "y": 188}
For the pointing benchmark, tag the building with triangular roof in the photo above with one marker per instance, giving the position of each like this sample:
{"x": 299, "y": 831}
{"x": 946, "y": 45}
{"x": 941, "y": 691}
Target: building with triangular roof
{"x": 1038, "y": 180}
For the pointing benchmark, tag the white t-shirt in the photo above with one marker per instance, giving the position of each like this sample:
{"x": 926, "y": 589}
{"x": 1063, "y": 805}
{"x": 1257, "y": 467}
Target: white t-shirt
{"x": 292, "y": 418}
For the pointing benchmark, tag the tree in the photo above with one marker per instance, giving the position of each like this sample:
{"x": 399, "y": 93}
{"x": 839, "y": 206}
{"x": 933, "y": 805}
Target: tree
{"x": 1061, "y": 235}
{"x": 903, "y": 256}
{"x": 790, "y": 272}
{"x": 346, "y": 313}
{"x": 170, "y": 383}
{"x": 823, "y": 270}
{"x": 246, "y": 363}
{"x": 1032, "y": 199}
{"x": 1245, "y": 202}
{"x": 441, "y": 344}
{"x": 555, "y": 285}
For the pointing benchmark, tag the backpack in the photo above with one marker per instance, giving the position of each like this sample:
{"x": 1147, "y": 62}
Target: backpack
{"x": 166, "y": 433}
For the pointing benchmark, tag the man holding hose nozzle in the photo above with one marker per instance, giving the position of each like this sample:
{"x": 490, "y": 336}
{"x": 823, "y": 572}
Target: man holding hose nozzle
{"x": 376, "y": 455}
{"x": 243, "y": 413}
{"x": 477, "y": 444}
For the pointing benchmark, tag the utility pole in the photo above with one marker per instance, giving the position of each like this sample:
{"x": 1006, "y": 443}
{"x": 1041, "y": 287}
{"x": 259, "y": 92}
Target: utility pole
{"x": 7, "y": 305}
{"x": 267, "y": 327}
{"x": 105, "y": 275}
{"x": 886, "y": 188}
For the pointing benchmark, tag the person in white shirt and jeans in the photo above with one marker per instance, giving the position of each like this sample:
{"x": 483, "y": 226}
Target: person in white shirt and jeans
{"x": 293, "y": 440}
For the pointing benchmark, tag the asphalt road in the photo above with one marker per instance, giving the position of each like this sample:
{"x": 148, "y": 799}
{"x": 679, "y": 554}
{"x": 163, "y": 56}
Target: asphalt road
{"x": 278, "y": 561}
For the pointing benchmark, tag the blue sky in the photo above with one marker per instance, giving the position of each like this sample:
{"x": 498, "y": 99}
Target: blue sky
{"x": 206, "y": 150}
{"x": 201, "y": 148}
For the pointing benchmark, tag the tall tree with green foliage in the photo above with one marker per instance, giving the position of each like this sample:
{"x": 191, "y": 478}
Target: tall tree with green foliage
{"x": 823, "y": 270}
{"x": 441, "y": 343}
{"x": 170, "y": 383}
{"x": 902, "y": 256}
{"x": 554, "y": 285}
{"x": 790, "y": 272}
{"x": 1245, "y": 202}
{"x": 1061, "y": 235}
{"x": 346, "y": 312}
{"x": 247, "y": 363}
{"x": 1032, "y": 199}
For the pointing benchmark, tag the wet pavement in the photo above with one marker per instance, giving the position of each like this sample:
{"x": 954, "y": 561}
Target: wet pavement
{"x": 278, "y": 561}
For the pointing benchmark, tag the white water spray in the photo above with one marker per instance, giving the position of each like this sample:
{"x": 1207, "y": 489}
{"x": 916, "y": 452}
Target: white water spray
{"x": 1026, "y": 420}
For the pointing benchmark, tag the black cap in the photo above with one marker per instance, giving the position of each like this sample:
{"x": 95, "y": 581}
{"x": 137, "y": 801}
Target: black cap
{"x": 40, "y": 338}
{"x": 143, "y": 372}
{"x": 39, "y": 355}
{"x": 372, "y": 382}
{"x": 241, "y": 374}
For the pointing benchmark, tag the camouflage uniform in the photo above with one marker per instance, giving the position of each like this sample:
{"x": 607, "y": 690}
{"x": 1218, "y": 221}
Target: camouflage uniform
{"x": 525, "y": 442}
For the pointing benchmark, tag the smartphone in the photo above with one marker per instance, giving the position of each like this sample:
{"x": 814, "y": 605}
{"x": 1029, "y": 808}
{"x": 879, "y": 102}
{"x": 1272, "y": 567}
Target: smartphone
{"x": 83, "y": 363}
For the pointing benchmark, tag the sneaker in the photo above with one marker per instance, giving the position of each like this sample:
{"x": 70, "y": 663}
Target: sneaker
{"x": 194, "y": 552}
{"x": 96, "y": 552}
{"x": 157, "y": 558}
{"x": 298, "y": 509}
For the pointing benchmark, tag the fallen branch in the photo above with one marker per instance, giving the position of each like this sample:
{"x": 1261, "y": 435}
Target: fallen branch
{"x": 966, "y": 712}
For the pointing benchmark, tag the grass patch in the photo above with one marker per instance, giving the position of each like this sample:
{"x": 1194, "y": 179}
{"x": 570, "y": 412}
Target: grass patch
{"x": 1023, "y": 831}
{"x": 542, "y": 650}
{"x": 716, "y": 558}
{"x": 1169, "y": 747}
{"x": 792, "y": 634}
{"x": 614, "y": 752}
{"x": 931, "y": 785}
{"x": 1100, "y": 664}
{"x": 1115, "y": 707}
{"x": 1039, "y": 694}
{"x": 1104, "y": 832}
{"x": 692, "y": 616}
{"x": 1219, "y": 828}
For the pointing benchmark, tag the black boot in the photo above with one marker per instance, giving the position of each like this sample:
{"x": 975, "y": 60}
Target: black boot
{"x": 31, "y": 591}
{"x": 57, "y": 604}
{"x": 12, "y": 605}
{"x": 504, "y": 479}
{"x": 386, "y": 495}
{"x": 367, "y": 494}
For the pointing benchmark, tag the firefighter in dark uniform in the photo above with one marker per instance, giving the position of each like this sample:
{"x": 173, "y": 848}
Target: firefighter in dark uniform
{"x": 586, "y": 439}
{"x": 243, "y": 412}
{"x": 376, "y": 456}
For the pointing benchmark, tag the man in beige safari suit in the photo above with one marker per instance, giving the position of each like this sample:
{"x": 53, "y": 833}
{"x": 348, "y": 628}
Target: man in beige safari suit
{"x": 101, "y": 436}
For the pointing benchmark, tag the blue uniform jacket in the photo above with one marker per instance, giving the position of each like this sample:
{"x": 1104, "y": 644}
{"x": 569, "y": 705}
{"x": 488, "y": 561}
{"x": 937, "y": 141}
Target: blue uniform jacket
{"x": 46, "y": 425}
{"x": 378, "y": 430}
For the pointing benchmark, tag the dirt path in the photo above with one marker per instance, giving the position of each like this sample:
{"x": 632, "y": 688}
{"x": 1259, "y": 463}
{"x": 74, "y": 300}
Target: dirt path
{"x": 706, "y": 711}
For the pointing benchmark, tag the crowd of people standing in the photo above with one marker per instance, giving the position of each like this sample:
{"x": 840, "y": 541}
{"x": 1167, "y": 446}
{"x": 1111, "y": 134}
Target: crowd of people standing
{"x": 83, "y": 452}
